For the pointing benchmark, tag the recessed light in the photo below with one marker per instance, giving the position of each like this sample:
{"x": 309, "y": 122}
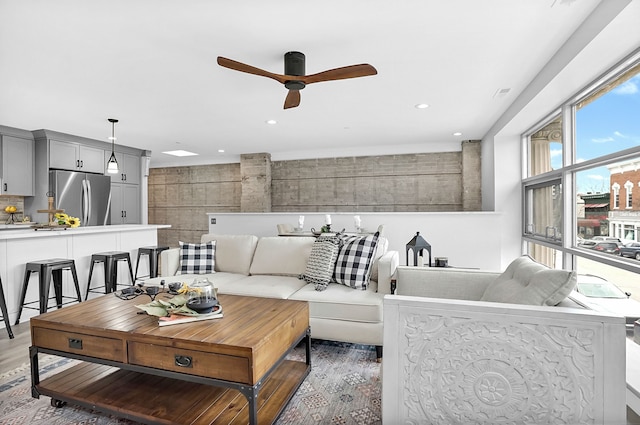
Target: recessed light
{"x": 421, "y": 106}
{"x": 271, "y": 122}
{"x": 457, "y": 133}
{"x": 180, "y": 153}
{"x": 220, "y": 150}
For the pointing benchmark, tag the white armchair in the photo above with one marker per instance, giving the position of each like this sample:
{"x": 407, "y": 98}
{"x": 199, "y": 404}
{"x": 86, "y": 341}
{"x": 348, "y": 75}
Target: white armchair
{"x": 451, "y": 359}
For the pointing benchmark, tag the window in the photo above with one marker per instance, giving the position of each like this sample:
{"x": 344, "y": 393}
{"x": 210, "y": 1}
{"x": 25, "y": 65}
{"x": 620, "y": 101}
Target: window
{"x": 629, "y": 188}
{"x": 583, "y": 165}
{"x": 616, "y": 195}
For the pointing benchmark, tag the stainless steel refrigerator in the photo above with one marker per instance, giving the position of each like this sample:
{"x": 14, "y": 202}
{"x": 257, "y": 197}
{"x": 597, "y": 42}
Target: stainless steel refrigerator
{"x": 83, "y": 195}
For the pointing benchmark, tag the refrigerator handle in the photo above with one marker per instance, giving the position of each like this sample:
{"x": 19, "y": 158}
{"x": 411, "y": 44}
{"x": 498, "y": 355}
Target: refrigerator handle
{"x": 89, "y": 199}
{"x": 84, "y": 202}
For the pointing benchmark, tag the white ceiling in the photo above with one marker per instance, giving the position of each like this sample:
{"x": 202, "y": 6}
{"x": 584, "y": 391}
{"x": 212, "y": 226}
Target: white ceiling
{"x": 68, "y": 65}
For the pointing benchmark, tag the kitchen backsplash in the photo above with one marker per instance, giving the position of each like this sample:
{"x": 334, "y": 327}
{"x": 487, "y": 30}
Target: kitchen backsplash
{"x": 16, "y": 201}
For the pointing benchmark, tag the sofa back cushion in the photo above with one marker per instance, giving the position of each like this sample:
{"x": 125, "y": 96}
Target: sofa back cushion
{"x": 284, "y": 256}
{"x": 233, "y": 252}
{"x": 528, "y": 282}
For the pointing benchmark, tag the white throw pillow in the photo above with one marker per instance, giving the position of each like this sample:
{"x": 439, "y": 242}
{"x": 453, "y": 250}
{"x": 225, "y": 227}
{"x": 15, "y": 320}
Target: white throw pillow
{"x": 527, "y": 282}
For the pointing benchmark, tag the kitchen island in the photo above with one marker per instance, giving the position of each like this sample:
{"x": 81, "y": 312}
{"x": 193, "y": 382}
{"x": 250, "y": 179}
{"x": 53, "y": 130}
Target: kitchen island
{"x": 20, "y": 244}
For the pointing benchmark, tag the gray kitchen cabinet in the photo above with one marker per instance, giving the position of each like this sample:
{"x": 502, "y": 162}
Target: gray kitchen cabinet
{"x": 17, "y": 165}
{"x": 125, "y": 203}
{"x": 128, "y": 168}
{"x": 76, "y": 157}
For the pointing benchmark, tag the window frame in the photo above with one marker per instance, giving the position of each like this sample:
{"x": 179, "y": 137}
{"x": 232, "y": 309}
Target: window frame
{"x": 566, "y": 175}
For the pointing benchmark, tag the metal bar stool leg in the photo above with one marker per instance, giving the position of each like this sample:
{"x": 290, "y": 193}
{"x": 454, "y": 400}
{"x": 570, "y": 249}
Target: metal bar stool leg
{"x": 5, "y": 314}
{"x": 44, "y": 281}
{"x": 23, "y": 295}
{"x": 128, "y": 260}
{"x": 75, "y": 281}
{"x": 89, "y": 280}
{"x": 57, "y": 284}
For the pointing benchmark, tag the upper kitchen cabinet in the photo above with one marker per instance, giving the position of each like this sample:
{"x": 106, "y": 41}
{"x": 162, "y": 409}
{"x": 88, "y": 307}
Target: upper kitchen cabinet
{"x": 17, "y": 152}
{"x": 128, "y": 168}
{"x": 75, "y": 157}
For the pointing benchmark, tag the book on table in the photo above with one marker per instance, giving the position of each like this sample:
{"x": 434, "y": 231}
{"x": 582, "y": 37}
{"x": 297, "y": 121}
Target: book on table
{"x": 175, "y": 319}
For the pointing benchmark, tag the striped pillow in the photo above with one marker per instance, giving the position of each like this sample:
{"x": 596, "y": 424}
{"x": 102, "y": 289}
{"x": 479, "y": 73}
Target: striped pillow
{"x": 353, "y": 266}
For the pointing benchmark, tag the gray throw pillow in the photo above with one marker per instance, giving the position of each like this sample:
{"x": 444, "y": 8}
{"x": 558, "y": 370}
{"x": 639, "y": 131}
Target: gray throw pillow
{"x": 322, "y": 261}
{"x": 527, "y": 282}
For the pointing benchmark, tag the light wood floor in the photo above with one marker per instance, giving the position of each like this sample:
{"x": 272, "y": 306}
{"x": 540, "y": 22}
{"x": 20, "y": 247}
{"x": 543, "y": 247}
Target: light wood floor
{"x": 14, "y": 352}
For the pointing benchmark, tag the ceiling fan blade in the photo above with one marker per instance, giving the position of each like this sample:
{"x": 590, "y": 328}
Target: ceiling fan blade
{"x": 292, "y": 100}
{"x": 242, "y": 67}
{"x": 352, "y": 71}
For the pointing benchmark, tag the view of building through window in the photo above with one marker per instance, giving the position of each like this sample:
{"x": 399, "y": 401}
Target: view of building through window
{"x": 600, "y": 180}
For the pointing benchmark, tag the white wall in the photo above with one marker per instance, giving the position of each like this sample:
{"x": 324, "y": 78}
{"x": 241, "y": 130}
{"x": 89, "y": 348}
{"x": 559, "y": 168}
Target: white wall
{"x": 468, "y": 239}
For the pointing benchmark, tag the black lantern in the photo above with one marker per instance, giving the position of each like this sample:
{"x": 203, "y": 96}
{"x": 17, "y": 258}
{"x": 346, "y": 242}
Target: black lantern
{"x": 417, "y": 245}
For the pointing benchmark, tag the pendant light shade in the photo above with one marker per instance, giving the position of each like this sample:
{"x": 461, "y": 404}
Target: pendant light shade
{"x": 112, "y": 164}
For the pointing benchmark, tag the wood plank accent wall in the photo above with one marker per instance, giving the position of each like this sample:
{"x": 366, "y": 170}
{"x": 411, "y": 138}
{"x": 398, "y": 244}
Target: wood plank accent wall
{"x": 425, "y": 182}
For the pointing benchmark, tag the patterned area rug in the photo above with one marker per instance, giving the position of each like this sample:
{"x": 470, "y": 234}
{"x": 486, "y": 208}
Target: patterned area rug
{"x": 343, "y": 387}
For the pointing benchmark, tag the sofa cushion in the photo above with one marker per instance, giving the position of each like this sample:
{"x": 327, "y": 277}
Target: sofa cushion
{"x": 283, "y": 256}
{"x": 281, "y": 287}
{"x": 233, "y": 252}
{"x": 527, "y": 282}
{"x": 353, "y": 266}
{"x": 322, "y": 261}
{"x": 341, "y": 303}
{"x": 381, "y": 248}
{"x": 197, "y": 258}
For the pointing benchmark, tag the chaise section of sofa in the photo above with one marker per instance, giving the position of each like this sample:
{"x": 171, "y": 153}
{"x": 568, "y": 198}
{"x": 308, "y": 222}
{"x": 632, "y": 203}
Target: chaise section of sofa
{"x": 271, "y": 267}
{"x": 451, "y": 357}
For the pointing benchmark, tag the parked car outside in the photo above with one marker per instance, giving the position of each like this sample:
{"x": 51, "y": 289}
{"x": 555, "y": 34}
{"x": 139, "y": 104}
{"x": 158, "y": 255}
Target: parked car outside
{"x": 601, "y": 295}
{"x": 606, "y": 239}
{"x": 608, "y": 247}
{"x": 631, "y": 250}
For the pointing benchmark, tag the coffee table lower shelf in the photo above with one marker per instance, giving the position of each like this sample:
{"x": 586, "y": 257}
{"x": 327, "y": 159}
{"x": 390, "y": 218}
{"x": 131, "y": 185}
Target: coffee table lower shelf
{"x": 156, "y": 399}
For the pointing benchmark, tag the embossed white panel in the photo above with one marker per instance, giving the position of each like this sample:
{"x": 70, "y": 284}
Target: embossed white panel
{"x": 466, "y": 362}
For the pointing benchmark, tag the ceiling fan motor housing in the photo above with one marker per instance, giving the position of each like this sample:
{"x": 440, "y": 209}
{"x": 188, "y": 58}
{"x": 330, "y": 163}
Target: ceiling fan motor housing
{"x": 294, "y": 65}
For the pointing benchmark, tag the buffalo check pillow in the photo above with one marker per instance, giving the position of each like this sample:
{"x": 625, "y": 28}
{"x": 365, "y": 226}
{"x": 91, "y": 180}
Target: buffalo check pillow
{"x": 197, "y": 258}
{"x": 353, "y": 265}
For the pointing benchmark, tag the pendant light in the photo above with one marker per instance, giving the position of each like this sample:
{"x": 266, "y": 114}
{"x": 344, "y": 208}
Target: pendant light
{"x": 112, "y": 164}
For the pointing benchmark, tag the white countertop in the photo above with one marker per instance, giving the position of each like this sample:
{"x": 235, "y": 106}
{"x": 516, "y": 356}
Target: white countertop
{"x": 19, "y": 231}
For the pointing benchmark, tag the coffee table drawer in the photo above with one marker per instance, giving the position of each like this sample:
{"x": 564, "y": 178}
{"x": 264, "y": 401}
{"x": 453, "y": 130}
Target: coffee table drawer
{"x": 192, "y": 362}
{"x": 86, "y": 345}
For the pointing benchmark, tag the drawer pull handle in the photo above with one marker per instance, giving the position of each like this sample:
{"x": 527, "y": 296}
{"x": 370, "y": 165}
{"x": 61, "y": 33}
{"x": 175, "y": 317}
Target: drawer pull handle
{"x": 183, "y": 361}
{"x": 75, "y": 343}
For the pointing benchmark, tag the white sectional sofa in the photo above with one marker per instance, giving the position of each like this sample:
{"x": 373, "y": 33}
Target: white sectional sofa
{"x": 270, "y": 267}
{"x": 454, "y": 355}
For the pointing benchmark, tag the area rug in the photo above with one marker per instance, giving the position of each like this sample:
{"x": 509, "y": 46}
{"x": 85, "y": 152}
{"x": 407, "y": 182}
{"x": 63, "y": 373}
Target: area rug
{"x": 343, "y": 387}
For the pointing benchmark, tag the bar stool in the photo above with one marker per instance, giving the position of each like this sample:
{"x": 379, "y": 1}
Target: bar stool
{"x": 153, "y": 252}
{"x": 110, "y": 261}
{"x": 46, "y": 269}
{"x": 5, "y": 314}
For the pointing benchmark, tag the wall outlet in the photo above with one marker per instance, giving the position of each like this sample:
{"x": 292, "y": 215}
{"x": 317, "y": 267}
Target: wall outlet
{"x": 213, "y": 221}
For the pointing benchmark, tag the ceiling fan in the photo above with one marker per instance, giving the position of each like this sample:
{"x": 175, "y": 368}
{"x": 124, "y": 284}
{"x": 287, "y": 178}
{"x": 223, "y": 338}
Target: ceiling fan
{"x": 294, "y": 77}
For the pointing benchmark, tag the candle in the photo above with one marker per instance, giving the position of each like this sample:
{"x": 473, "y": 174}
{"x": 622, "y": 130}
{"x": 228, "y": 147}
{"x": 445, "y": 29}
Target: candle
{"x": 301, "y": 222}
{"x": 356, "y": 221}
{"x": 327, "y": 219}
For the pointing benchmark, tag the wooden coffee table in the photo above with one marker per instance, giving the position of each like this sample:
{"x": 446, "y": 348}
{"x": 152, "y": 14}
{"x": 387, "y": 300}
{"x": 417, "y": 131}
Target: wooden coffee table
{"x": 231, "y": 370}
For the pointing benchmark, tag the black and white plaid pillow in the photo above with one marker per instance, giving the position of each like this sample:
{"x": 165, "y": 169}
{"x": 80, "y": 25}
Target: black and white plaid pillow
{"x": 322, "y": 261}
{"x": 353, "y": 265}
{"x": 197, "y": 258}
